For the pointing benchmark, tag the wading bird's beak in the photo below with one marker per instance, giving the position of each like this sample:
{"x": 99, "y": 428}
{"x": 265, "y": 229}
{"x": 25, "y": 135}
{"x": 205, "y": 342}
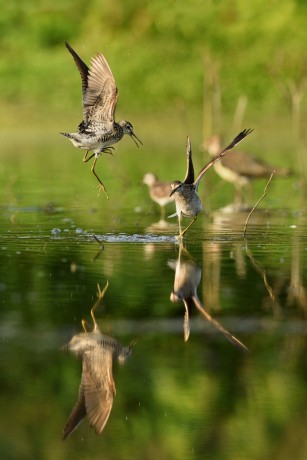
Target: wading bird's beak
{"x": 174, "y": 190}
{"x": 136, "y": 139}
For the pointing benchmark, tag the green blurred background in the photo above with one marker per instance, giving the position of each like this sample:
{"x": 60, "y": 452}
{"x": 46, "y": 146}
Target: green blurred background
{"x": 185, "y": 67}
{"x": 182, "y": 68}
{"x": 192, "y": 61}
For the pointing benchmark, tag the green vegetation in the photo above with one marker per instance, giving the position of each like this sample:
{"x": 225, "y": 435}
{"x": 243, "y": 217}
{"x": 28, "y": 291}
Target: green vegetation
{"x": 182, "y": 67}
{"x": 160, "y": 52}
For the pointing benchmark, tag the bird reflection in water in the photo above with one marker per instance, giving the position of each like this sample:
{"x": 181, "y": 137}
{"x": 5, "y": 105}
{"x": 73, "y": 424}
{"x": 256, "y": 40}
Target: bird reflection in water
{"x": 97, "y": 387}
{"x": 187, "y": 279}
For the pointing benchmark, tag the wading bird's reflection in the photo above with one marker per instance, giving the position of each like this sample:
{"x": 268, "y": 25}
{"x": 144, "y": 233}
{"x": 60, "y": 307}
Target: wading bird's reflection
{"x": 187, "y": 279}
{"x": 97, "y": 387}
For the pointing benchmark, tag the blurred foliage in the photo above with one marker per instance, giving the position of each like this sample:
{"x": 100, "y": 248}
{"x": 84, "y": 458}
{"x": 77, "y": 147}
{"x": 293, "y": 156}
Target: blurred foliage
{"x": 157, "y": 50}
{"x": 169, "y": 58}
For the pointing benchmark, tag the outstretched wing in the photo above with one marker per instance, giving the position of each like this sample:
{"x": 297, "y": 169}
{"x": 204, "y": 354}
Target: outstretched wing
{"x": 98, "y": 386}
{"x": 99, "y": 89}
{"x": 77, "y": 414}
{"x": 101, "y": 95}
{"x": 232, "y": 144}
{"x": 189, "y": 176}
{"x": 82, "y": 67}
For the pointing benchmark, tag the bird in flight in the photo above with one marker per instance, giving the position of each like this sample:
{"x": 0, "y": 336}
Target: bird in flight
{"x": 98, "y": 130}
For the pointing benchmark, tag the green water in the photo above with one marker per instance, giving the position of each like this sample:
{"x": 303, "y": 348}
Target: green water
{"x": 186, "y": 392}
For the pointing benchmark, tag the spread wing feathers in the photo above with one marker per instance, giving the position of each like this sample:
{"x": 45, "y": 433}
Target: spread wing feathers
{"x": 98, "y": 386}
{"x": 101, "y": 96}
{"x": 232, "y": 144}
{"x": 77, "y": 414}
{"x": 189, "y": 177}
{"x": 82, "y": 67}
{"x": 99, "y": 91}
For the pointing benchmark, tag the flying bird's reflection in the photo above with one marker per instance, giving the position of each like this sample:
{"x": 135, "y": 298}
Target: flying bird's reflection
{"x": 97, "y": 387}
{"x": 187, "y": 279}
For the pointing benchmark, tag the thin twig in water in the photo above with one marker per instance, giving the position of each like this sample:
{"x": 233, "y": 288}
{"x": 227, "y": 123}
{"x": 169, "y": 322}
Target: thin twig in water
{"x": 100, "y": 249}
{"x": 261, "y": 271}
{"x": 260, "y": 199}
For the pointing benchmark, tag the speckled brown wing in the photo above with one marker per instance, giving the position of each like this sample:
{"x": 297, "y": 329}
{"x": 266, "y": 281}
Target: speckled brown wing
{"x": 82, "y": 67}
{"x": 77, "y": 414}
{"x": 101, "y": 96}
{"x": 98, "y": 386}
{"x": 99, "y": 91}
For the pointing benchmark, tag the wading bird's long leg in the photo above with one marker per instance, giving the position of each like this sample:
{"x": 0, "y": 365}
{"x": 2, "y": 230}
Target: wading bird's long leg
{"x": 85, "y": 159}
{"x": 186, "y": 322}
{"x": 186, "y": 229}
{"x": 179, "y": 224}
{"x": 101, "y": 186}
{"x": 100, "y": 295}
{"x": 84, "y": 325}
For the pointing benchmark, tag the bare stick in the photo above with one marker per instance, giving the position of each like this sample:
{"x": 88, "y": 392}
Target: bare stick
{"x": 101, "y": 248}
{"x": 260, "y": 199}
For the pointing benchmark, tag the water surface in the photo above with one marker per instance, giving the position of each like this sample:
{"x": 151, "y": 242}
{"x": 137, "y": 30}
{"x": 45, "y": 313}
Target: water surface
{"x": 187, "y": 391}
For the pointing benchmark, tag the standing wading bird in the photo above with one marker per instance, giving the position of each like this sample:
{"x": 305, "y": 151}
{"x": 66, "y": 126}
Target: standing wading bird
{"x": 97, "y": 387}
{"x": 160, "y": 192}
{"x": 240, "y": 168}
{"x": 98, "y": 130}
{"x": 187, "y": 201}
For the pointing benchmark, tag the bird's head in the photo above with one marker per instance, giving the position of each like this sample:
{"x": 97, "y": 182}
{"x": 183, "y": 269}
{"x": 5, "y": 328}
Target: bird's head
{"x": 149, "y": 179}
{"x": 128, "y": 129}
{"x": 213, "y": 145}
{"x": 176, "y": 186}
{"x": 126, "y": 352}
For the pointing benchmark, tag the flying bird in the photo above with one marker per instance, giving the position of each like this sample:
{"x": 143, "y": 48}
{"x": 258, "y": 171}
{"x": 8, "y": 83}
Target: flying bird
{"x": 98, "y": 130}
{"x": 97, "y": 388}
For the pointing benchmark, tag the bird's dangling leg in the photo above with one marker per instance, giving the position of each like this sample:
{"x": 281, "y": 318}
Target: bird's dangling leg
{"x": 100, "y": 295}
{"x": 85, "y": 159}
{"x": 101, "y": 186}
{"x": 83, "y": 322}
{"x": 179, "y": 224}
{"x": 186, "y": 229}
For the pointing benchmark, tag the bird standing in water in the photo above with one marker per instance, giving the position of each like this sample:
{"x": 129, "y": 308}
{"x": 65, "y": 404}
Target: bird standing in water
{"x": 159, "y": 191}
{"x": 98, "y": 131}
{"x": 188, "y": 203}
{"x": 240, "y": 168}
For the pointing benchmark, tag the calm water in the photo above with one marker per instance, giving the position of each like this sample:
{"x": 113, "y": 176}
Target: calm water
{"x": 188, "y": 390}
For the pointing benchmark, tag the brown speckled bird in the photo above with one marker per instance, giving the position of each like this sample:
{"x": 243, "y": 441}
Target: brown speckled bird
{"x": 97, "y": 387}
{"x": 98, "y": 131}
{"x": 159, "y": 191}
{"x": 240, "y": 168}
{"x": 188, "y": 203}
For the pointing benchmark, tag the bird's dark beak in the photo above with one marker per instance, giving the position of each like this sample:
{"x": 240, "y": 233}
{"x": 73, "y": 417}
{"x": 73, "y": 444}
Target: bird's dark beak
{"x": 173, "y": 191}
{"x": 136, "y": 139}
